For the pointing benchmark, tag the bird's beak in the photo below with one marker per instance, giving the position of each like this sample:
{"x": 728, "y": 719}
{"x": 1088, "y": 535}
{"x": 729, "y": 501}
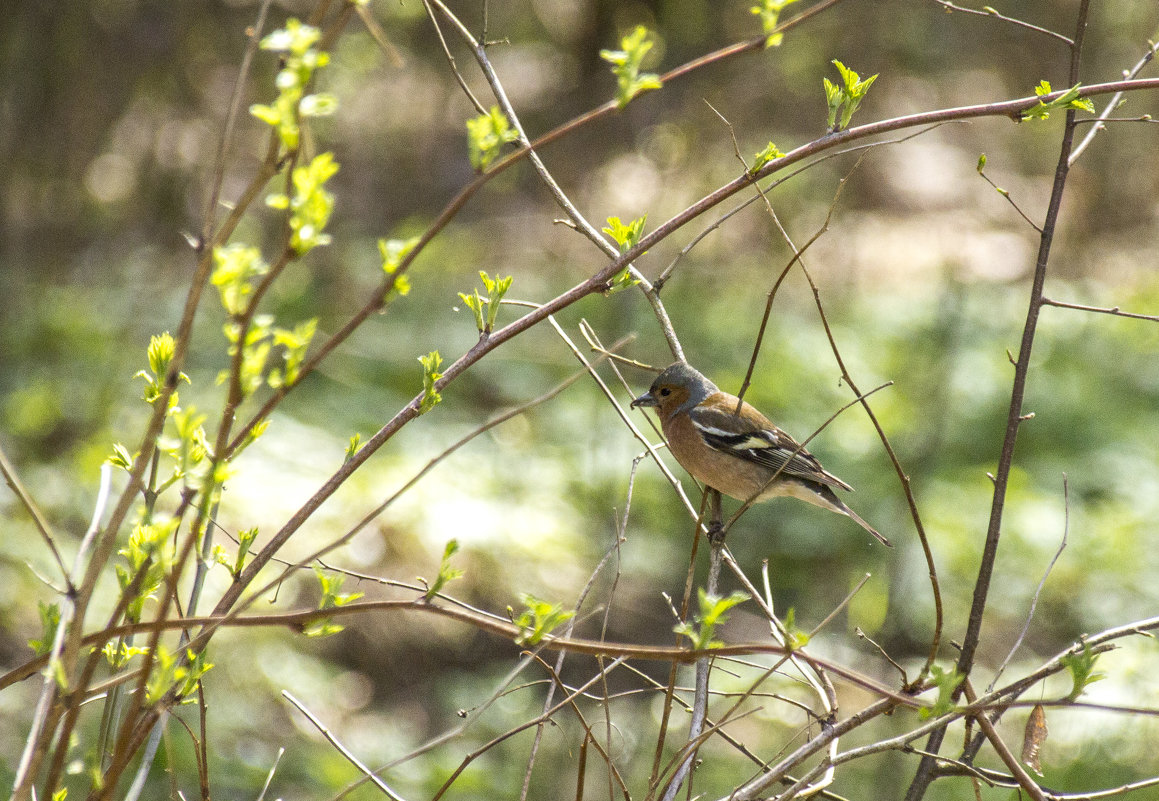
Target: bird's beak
{"x": 644, "y": 400}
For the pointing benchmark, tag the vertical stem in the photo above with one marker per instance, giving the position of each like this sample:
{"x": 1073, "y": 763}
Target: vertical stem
{"x": 1014, "y": 418}
{"x": 700, "y": 700}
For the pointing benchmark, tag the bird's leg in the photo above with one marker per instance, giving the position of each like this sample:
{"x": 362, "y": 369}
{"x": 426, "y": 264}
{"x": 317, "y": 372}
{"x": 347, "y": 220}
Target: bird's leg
{"x": 715, "y": 522}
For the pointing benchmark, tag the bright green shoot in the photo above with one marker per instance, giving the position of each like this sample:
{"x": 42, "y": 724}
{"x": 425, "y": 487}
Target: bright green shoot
{"x": 844, "y": 99}
{"x": 331, "y": 599}
{"x": 446, "y": 574}
{"x": 538, "y": 619}
{"x": 486, "y": 135}
{"x": 947, "y": 682}
{"x": 49, "y": 620}
{"x": 486, "y": 309}
{"x": 770, "y": 12}
{"x": 1068, "y": 100}
{"x": 626, "y": 237}
{"x": 1082, "y": 670}
{"x": 431, "y": 375}
{"x": 713, "y": 613}
{"x": 295, "y": 44}
{"x": 770, "y": 153}
{"x": 160, "y": 354}
{"x": 245, "y": 540}
{"x": 311, "y": 206}
{"x": 171, "y": 672}
{"x": 394, "y": 252}
{"x": 626, "y": 66}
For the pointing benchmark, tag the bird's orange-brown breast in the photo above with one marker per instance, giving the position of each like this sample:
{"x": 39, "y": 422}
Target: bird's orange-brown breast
{"x": 708, "y": 465}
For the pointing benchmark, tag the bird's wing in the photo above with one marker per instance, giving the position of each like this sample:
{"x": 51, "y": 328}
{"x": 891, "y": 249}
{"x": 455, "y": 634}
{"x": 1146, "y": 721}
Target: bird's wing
{"x": 765, "y": 445}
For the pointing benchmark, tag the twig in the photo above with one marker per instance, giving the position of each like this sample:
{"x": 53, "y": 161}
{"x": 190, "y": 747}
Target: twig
{"x": 521, "y": 727}
{"x": 569, "y": 628}
{"x": 1113, "y": 103}
{"x": 990, "y": 12}
{"x": 254, "y": 34}
{"x": 343, "y": 750}
{"x": 837, "y": 609}
{"x": 41, "y": 522}
{"x": 700, "y": 698}
{"x": 479, "y": 107}
{"x": 885, "y": 655}
{"x": 578, "y": 220}
{"x": 1010, "y": 200}
{"x": 1007, "y": 756}
{"x": 36, "y": 743}
{"x": 270, "y": 775}
{"x": 1112, "y": 310}
{"x": 798, "y": 257}
{"x": 1014, "y": 418}
{"x": 1038, "y": 591}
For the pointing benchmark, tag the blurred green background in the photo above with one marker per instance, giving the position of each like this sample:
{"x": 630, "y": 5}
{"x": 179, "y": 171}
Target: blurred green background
{"x": 110, "y": 115}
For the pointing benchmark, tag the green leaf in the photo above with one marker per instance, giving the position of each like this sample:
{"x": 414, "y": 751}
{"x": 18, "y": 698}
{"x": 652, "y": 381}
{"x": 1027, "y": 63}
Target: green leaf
{"x": 394, "y": 252}
{"x": 626, "y": 64}
{"x": 295, "y": 39}
{"x": 267, "y": 114}
{"x": 49, "y": 620}
{"x": 713, "y": 612}
{"x": 353, "y": 447}
{"x": 160, "y": 353}
{"x": 446, "y": 574}
{"x": 171, "y": 672}
{"x": 1068, "y": 100}
{"x": 844, "y": 100}
{"x": 119, "y": 654}
{"x": 475, "y": 304}
{"x": 486, "y": 135}
{"x": 300, "y": 60}
{"x": 149, "y": 552}
{"x": 770, "y": 153}
{"x": 496, "y": 288}
{"x": 245, "y": 540}
{"x": 318, "y": 105}
{"x": 770, "y": 11}
{"x": 947, "y": 682}
{"x": 235, "y": 268}
{"x": 311, "y": 204}
{"x": 190, "y": 449}
{"x": 794, "y": 637}
{"x": 538, "y": 619}
{"x": 120, "y": 457}
{"x": 1082, "y": 670}
{"x": 834, "y": 98}
{"x": 331, "y": 599}
{"x": 296, "y": 342}
{"x": 431, "y": 374}
{"x": 626, "y": 237}
{"x": 486, "y": 309}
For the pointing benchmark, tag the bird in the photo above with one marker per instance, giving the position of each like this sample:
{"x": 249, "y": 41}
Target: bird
{"x": 740, "y": 454}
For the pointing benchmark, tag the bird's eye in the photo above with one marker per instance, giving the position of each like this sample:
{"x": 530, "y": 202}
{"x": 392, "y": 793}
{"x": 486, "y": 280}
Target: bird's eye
{"x": 664, "y": 393}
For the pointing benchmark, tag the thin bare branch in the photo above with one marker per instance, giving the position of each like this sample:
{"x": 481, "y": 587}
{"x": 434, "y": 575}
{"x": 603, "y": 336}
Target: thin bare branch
{"x": 987, "y": 11}
{"x": 346, "y": 753}
{"x": 1112, "y": 310}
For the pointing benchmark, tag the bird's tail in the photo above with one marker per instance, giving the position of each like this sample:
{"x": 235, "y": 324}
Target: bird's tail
{"x": 856, "y": 519}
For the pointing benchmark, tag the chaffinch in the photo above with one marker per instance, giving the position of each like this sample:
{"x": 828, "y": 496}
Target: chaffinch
{"x": 738, "y": 454}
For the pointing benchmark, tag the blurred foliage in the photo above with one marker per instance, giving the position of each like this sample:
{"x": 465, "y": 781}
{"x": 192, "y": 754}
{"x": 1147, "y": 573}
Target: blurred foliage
{"x": 109, "y": 124}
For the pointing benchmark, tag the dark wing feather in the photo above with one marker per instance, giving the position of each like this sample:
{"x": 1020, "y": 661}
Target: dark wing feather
{"x": 769, "y": 447}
